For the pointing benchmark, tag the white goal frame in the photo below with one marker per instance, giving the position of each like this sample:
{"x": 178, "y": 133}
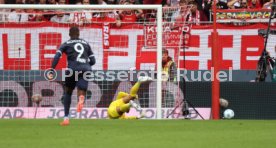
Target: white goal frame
{"x": 99, "y": 7}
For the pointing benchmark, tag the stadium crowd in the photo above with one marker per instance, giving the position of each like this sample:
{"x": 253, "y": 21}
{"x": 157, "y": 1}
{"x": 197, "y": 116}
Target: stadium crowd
{"x": 199, "y": 12}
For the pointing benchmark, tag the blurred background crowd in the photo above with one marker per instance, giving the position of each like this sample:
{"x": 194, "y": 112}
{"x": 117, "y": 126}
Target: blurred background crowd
{"x": 200, "y": 10}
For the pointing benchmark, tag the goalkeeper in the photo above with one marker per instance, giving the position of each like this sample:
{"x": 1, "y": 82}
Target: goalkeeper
{"x": 124, "y": 102}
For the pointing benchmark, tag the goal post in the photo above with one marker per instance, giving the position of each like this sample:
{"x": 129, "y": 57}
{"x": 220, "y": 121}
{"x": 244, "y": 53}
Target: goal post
{"x": 159, "y": 24}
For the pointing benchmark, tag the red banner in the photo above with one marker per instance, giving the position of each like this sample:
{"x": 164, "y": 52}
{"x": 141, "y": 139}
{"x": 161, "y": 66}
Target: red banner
{"x": 32, "y": 46}
{"x": 172, "y": 37}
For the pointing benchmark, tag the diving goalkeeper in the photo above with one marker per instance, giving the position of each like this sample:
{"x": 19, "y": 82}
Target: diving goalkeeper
{"x": 124, "y": 102}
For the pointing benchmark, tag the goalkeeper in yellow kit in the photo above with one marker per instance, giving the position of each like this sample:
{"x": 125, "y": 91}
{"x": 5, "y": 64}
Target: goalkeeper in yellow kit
{"x": 124, "y": 102}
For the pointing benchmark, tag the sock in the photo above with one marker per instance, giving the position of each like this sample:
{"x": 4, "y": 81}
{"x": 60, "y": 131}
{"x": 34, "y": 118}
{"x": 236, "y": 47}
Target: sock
{"x": 67, "y": 103}
{"x": 134, "y": 89}
{"x": 80, "y": 97}
{"x": 125, "y": 107}
{"x": 66, "y": 118}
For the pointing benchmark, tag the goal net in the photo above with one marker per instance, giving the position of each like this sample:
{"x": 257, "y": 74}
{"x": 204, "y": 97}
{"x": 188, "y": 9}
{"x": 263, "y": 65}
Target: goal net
{"x": 126, "y": 41}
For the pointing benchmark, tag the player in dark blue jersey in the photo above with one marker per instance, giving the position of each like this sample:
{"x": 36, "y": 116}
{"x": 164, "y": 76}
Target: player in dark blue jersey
{"x": 80, "y": 58}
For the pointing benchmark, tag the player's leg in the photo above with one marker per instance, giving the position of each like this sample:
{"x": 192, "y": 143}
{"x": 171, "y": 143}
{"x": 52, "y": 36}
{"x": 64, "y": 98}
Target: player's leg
{"x": 81, "y": 99}
{"x": 82, "y": 88}
{"x": 67, "y": 102}
{"x": 133, "y": 91}
{"x": 69, "y": 86}
{"x": 123, "y": 108}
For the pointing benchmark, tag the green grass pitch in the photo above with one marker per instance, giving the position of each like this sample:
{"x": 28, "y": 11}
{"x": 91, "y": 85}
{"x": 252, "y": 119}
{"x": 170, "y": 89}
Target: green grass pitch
{"x": 21, "y": 133}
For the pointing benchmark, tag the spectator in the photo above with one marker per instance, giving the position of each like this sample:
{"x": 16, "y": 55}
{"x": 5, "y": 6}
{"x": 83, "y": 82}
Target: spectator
{"x": 112, "y": 2}
{"x": 19, "y": 2}
{"x": 134, "y": 2}
{"x": 9, "y": 1}
{"x": 207, "y": 6}
{"x": 51, "y": 2}
{"x": 30, "y": 2}
{"x": 101, "y": 2}
{"x": 36, "y": 15}
{"x": 122, "y": 2}
{"x": 233, "y": 4}
{"x": 254, "y": 4}
{"x": 85, "y": 2}
{"x": 153, "y": 1}
{"x": 72, "y": 2}
{"x": 130, "y": 16}
{"x": 238, "y": 4}
{"x": 180, "y": 14}
{"x": 196, "y": 16}
{"x": 221, "y": 4}
{"x": 200, "y": 4}
{"x": 3, "y": 13}
{"x": 244, "y": 4}
{"x": 268, "y": 5}
{"x": 103, "y": 17}
{"x": 31, "y": 14}
{"x": 83, "y": 17}
{"x": 172, "y": 3}
{"x": 60, "y": 18}
{"x": 61, "y": 2}
{"x": 18, "y": 15}
{"x": 107, "y": 17}
{"x": 42, "y": 2}
{"x": 78, "y": 2}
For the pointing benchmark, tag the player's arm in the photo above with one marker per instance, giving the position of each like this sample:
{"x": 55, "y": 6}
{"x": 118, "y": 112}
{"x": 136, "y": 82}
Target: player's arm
{"x": 56, "y": 59}
{"x": 57, "y": 56}
{"x": 91, "y": 57}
